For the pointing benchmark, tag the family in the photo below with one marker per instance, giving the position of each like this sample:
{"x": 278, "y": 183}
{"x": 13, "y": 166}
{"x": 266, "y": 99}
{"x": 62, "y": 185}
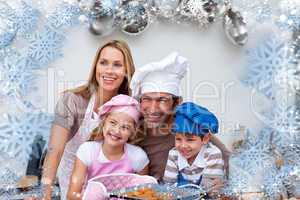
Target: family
{"x": 132, "y": 120}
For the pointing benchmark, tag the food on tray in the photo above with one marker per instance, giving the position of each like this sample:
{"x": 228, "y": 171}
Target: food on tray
{"x": 148, "y": 193}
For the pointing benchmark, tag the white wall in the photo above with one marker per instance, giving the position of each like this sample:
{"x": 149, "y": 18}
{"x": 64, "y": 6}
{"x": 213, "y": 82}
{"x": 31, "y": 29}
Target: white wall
{"x": 212, "y": 80}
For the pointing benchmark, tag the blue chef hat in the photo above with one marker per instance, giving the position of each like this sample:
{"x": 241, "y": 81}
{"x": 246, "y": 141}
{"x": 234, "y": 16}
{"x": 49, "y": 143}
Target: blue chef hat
{"x": 193, "y": 119}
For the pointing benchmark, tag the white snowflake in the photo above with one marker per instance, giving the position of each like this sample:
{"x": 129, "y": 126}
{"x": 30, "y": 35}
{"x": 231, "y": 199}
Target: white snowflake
{"x": 288, "y": 16}
{"x": 284, "y": 124}
{"x": 65, "y": 15}
{"x": 290, "y": 176}
{"x": 264, "y": 61}
{"x": 273, "y": 185}
{"x": 15, "y": 77}
{"x": 18, "y": 133}
{"x": 291, "y": 152}
{"x": 28, "y": 18}
{"x": 286, "y": 119}
{"x": 45, "y": 47}
{"x": 259, "y": 10}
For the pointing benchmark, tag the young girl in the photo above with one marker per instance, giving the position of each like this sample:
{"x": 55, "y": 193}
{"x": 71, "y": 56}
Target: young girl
{"x": 108, "y": 151}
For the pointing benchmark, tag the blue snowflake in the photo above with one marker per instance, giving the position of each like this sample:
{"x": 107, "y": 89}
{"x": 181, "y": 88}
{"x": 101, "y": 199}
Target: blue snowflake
{"x": 18, "y": 133}
{"x": 28, "y": 18}
{"x": 256, "y": 153}
{"x": 8, "y": 51}
{"x": 45, "y": 47}
{"x": 65, "y": 15}
{"x": 236, "y": 184}
{"x": 8, "y": 24}
{"x": 16, "y": 79}
{"x": 256, "y": 158}
{"x": 264, "y": 61}
{"x": 289, "y": 15}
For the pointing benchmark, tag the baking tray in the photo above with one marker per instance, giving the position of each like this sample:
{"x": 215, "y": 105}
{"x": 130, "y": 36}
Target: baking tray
{"x": 164, "y": 192}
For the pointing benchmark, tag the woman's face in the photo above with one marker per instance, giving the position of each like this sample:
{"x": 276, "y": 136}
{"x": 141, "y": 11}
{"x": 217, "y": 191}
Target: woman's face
{"x": 110, "y": 69}
{"x": 117, "y": 129}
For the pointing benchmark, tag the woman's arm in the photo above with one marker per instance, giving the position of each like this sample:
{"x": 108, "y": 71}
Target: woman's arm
{"x": 77, "y": 180}
{"x": 225, "y": 152}
{"x": 58, "y": 139}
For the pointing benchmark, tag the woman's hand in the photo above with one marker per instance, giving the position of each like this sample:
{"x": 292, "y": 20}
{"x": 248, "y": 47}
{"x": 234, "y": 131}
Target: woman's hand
{"x": 58, "y": 139}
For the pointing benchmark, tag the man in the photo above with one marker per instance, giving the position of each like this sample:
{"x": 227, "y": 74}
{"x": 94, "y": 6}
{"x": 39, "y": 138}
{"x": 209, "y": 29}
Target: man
{"x": 157, "y": 86}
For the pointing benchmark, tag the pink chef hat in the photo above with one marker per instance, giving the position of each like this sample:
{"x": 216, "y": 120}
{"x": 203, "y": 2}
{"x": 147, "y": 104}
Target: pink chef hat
{"x": 121, "y": 103}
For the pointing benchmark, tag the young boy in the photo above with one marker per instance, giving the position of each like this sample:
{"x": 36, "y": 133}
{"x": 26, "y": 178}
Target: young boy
{"x": 194, "y": 160}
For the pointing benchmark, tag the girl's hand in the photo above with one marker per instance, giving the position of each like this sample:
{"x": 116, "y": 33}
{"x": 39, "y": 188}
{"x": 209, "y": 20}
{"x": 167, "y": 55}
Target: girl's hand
{"x": 31, "y": 198}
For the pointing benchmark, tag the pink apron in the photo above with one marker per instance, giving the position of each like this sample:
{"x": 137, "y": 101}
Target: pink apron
{"x": 66, "y": 164}
{"x": 98, "y": 168}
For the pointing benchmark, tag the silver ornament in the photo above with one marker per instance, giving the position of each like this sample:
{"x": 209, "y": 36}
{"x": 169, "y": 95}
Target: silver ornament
{"x": 133, "y": 17}
{"x": 235, "y": 27}
{"x": 211, "y": 8}
{"x": 86, "y": 5}
{"x": 167, "y": 8}
{"x": 102, "y": 17}
{"x": 203, "y": 12}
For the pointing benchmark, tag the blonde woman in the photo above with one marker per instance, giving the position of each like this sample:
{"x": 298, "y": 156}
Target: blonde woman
{"x": 75, "y": 112}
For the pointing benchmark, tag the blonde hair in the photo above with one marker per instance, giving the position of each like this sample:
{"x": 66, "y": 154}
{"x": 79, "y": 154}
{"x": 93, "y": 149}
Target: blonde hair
{"x": 97, "y": 133}
{"x": 92, "y": 85}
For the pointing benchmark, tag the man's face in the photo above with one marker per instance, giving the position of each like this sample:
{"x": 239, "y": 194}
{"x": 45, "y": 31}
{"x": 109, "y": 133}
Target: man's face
{"x": 156, "y": 107}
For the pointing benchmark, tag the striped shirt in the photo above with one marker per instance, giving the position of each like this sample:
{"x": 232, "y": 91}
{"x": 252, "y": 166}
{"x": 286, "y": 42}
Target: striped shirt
{"x": 208, "y": 163}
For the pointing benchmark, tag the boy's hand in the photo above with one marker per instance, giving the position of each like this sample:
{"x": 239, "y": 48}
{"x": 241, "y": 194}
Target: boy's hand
{"x": 216, "y": 184}
{"x": 226, "y": 156}
{"x": 213, "y": 186}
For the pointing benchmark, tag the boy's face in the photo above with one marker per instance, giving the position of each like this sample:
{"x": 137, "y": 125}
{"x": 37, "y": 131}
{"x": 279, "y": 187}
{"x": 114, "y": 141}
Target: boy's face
{"x": 189, "y": 145}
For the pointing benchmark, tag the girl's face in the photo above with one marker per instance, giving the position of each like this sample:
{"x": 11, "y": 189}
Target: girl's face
{"x": 110, "y": 69}
{"x": 189, "y": 145}
{"x": 117, "y": 129}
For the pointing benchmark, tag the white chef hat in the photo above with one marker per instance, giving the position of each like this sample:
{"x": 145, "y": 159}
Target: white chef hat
{"x": 161, "y": 76}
